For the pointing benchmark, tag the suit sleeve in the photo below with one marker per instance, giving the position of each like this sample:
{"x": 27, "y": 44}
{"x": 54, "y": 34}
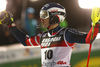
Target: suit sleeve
{"x": 20, "y": 36}
{"x": 25, "y": 39}
{"x": 74, "y": 36}
{"x": 34, "y": 40}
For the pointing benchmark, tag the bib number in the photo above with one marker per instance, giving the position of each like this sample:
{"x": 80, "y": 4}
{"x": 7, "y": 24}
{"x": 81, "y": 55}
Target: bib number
{"x": 48, "y": 54}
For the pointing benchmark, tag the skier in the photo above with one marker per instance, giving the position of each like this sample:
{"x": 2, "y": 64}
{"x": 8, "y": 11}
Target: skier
{"x": 56, "y": 43}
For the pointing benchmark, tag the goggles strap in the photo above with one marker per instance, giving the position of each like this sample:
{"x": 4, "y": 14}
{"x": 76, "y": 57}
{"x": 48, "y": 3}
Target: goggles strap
{"x": 56, "y": 13}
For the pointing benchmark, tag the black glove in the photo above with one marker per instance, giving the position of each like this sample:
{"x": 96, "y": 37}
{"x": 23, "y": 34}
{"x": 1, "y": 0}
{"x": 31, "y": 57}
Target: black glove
{"x": 6, "y": 18}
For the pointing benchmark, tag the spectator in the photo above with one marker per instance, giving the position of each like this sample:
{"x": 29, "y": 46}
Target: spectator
{"x": 30, "y": 22}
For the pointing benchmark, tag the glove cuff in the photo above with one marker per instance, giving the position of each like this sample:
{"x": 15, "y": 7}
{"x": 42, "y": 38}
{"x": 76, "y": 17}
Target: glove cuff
{"x": 97, "y": 25}
{"x": 12, "y": 25}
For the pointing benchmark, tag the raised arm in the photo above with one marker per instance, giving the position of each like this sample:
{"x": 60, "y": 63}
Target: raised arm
{"x": 25, "y": 39}
{"x": 6, "y": 18}
{"x": 74, "y": 36}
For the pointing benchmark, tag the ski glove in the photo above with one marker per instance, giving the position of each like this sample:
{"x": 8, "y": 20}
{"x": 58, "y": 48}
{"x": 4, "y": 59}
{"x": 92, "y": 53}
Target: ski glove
{"x": 7, "y": 19}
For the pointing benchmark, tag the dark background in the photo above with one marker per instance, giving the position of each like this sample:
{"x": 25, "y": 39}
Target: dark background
{"x": 77, "y": 17}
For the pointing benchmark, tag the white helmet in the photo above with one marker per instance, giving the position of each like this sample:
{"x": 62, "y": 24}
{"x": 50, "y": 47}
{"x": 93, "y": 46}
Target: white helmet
{"x": 54, "y": 11}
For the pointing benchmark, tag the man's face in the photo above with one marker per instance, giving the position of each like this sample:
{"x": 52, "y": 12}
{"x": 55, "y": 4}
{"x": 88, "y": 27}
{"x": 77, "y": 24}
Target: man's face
{"x": 45, "y": 22}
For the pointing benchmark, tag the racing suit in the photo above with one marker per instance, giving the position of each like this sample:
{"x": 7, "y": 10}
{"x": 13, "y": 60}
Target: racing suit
{"x": 56, "y": 44}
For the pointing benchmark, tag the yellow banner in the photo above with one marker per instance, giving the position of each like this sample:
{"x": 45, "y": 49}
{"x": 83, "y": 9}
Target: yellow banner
{"x": 94, "y": 62}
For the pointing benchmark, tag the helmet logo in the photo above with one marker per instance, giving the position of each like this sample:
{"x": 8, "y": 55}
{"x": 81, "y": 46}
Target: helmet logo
{"x": 54, "y": 10}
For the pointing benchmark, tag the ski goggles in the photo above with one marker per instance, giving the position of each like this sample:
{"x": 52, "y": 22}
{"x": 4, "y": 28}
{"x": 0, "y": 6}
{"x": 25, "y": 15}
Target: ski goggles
{"x": 44, "y": 14}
